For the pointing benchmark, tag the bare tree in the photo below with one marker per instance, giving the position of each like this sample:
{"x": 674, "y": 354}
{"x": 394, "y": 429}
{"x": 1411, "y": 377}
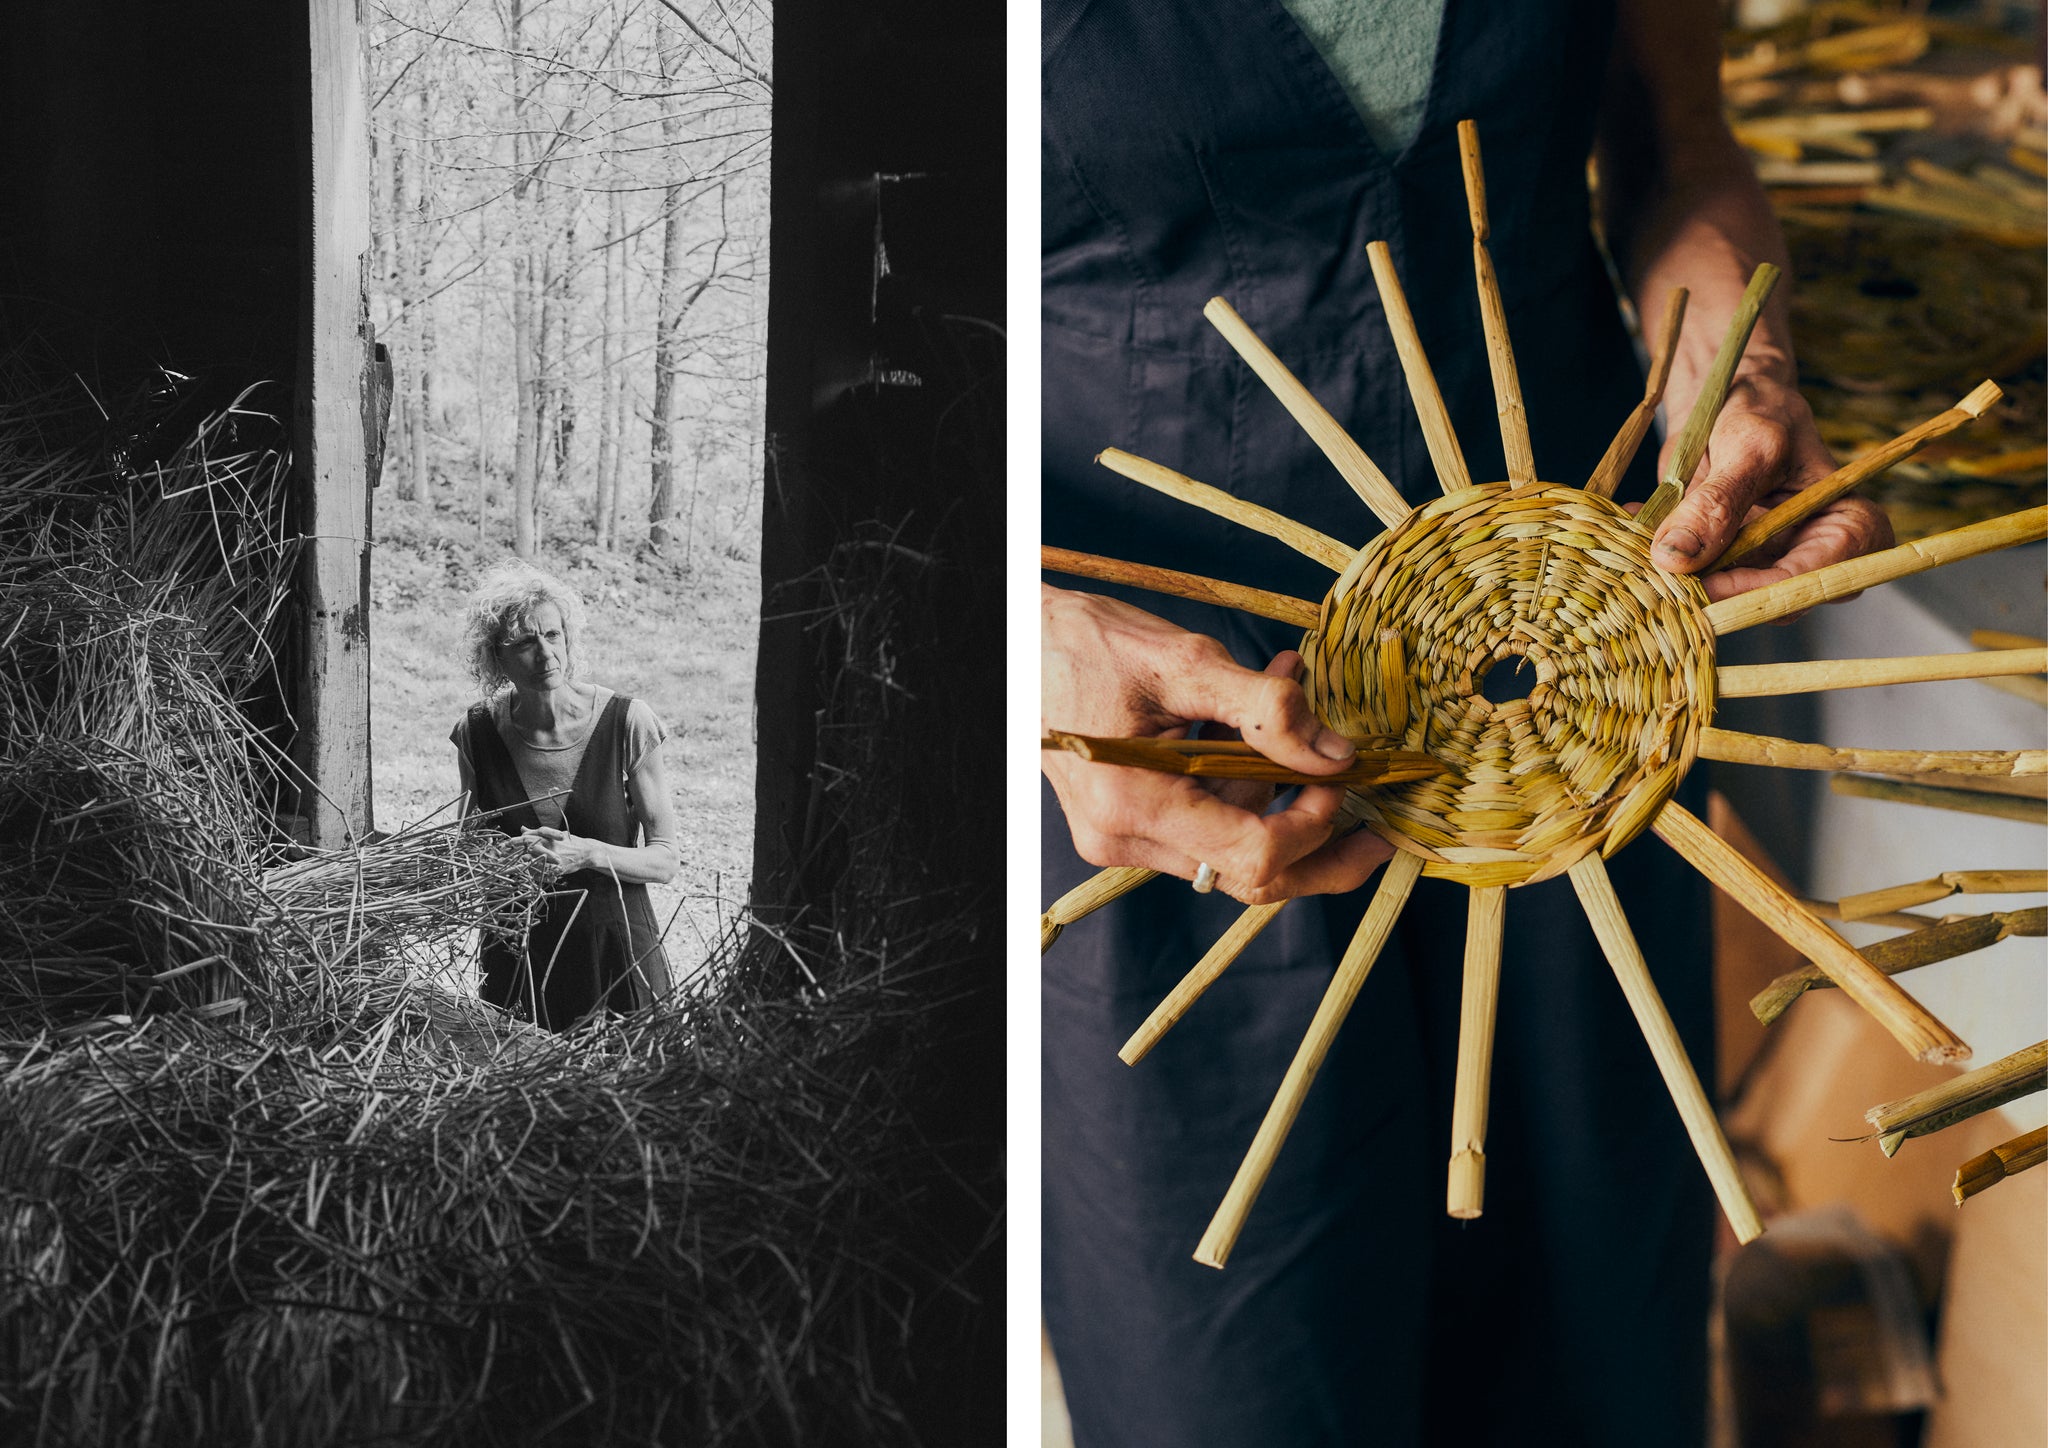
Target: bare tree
{"x": 596, "y": 171}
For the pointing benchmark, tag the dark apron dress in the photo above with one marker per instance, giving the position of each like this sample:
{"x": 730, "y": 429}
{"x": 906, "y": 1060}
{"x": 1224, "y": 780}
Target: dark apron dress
{"x": 594, "y": 945}
{"x": 1199, "y": 150}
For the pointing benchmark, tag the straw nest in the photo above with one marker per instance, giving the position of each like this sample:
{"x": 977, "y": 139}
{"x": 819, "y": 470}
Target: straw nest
{"x": 1552, "y": 580}
{"x": 271, "y": 1174}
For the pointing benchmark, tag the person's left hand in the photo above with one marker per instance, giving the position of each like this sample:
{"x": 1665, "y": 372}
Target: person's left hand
{"x": 568, "y": 853}
{"x": 1764, "y": 448}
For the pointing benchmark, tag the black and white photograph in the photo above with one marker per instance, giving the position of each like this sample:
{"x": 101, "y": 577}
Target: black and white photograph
{"x": 500, "y": 511}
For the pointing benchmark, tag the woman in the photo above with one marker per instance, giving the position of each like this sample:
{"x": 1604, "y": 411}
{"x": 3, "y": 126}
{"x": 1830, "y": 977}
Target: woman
{"x": 574, "y": 770}
{"x": 1253, "y": 153}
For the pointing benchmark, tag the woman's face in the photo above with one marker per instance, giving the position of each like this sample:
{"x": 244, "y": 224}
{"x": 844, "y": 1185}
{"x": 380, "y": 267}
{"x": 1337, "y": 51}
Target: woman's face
{"x": 535, "y": 651}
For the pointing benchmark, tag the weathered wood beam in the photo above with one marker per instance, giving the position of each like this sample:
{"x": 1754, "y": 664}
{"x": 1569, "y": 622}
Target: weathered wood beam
{"x": 333, "y": 710}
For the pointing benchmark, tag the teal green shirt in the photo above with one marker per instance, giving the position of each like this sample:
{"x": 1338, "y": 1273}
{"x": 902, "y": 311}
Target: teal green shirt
{"x": 1383, "y": 53}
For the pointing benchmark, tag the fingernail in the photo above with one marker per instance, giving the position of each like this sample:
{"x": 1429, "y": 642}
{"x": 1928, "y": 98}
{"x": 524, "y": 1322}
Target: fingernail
{"x": 1332, "y": 745}
{"x": 1680, "y": 543}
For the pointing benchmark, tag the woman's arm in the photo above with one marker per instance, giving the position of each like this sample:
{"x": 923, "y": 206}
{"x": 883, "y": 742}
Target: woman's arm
{"x": 654, "y": 863}
{"x": 1111, "y": 669}
{"x": 1682, "y": 208}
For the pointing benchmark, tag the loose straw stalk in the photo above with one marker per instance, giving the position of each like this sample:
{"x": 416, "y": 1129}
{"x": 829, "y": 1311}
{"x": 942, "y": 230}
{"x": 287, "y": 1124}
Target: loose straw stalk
{"x": 1277, "y": 606}
{"x": 1739, "y": 681}
{"x": 1733, "y": 747}
{"x": 1926, "y": 1112}
{"x": 1493, "y": 316}
{"x": 1361, "y": 472}
{"x": 2007, "y": 1159}
{"x": 1242, "y": 932}
{"x": 1830, "y": 910}
{"x": 1817, "y": 495}
{"x": 1396, "y": 882}
{"x": 1949, "y": 882}
{"x": 1603, "y": 910}
{"x": 1298, "y": 536}
{"x": 1622, "y": 451}
{"x": 1838, "y": 580}
{"x": 1936, "y": 942}
{"x": 1088, "y": 897}
{"x": 1444, "y": 453}
{"x": 1966, "y": 801}
{"x": 1235, "y": 759}
{"x": 1699, "y": 423}
{"x": 1909, "y": 1022}
{"x": 1465, "y": 1193}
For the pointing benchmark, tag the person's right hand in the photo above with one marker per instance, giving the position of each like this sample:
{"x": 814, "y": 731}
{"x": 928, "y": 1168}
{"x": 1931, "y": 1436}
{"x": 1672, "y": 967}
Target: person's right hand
{"x": 1113, "y": 670}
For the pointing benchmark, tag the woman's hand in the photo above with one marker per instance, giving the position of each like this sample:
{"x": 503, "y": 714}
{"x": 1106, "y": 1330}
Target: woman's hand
{"x": 1763, "y": 449}
{"x": 1682, "y": 207}
{"x": 1110, "y": 669}
{"x": 568, "y": 853}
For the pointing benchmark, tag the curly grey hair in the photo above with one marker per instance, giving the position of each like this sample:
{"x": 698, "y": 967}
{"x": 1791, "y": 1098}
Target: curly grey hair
{"x": 504, "y": 602}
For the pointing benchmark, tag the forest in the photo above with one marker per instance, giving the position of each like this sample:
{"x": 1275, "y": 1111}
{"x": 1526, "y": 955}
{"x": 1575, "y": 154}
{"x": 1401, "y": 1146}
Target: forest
{"x": 569, "y": 264}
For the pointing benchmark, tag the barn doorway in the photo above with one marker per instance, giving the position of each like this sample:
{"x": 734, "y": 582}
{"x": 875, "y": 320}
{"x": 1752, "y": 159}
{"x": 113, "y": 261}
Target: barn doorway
{"x": 567, "y": 267}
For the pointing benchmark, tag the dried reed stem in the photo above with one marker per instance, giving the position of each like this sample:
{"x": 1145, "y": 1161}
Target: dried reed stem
{"x": 2023, "y": 786}
{"x": 1235, "y": 759}
{"x": 1088, "y": 897}
{"x": 2007, "y": 1159}
{"x": 1699, "y": 423}
{"x": 1739, "y": 681}
{"x": 1603, "y": 911}
{"x": 1733, "y": 747}
{"x": 1465, "y": 1193}
{"x": 1943, "y": 940}
{"x": 1277, "y": 606}
{"x": 1166, "y": 580}
{"x": 1991, "y": 638}
{"x": 1361, "y": 472}
{"x": 1396, "y": 882}
{"x": 1829, "y": 910}
{"x": 1219, "y": 957}
{"x": 1444, "y": 452}
{"x": 1298, "y": 536}
{"x": 2034, "y": 691}
{"x": 1493, "y": 317}
{"x": 1838, "y": 580}
{"x": 1817, "y": 495}
{"x": 1925, "y": 1112}
{"x": 1911, "y": 1024}
{"x": 1966, "y": 801}
{"x": 1949, "y": 882}
{"x": 1622, "y": 451}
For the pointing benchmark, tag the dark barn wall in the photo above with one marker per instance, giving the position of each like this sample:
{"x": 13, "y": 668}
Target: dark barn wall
{"x": 151, "y": 170}
{"x": 887, "y": 134}
{"x": 171, "y": 203}
{"x": 884, "y": 442}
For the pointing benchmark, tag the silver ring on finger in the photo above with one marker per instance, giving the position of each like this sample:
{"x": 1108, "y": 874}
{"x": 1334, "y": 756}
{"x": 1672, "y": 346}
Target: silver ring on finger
{"x": 1205, "y": 878}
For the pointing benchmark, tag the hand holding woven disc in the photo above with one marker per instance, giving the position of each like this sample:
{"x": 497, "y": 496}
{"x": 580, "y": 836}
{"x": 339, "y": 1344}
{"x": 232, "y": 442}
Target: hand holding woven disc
{"x": 1115, "y": 670}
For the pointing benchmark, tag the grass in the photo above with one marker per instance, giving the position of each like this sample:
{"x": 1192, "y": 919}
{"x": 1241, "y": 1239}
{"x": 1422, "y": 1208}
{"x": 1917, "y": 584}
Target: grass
{"x": 680, "y": 637}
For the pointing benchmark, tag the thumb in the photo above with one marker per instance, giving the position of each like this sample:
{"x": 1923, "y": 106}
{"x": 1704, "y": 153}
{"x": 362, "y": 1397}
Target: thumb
{"x": 1268, "y": 709}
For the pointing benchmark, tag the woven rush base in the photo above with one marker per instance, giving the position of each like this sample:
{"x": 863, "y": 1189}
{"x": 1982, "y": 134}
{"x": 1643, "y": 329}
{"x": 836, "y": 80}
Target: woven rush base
{"x": 1546, "y": 577}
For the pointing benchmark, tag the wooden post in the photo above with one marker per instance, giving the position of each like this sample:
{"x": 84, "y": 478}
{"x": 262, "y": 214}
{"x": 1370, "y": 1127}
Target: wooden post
{"x": 333, "y": 746}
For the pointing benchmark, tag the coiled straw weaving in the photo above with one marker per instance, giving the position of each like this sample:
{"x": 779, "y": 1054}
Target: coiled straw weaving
{"x": 1553, "y": 580}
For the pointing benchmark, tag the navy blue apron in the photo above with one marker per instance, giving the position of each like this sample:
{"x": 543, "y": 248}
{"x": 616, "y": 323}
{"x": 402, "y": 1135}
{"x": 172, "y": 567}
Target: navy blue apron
{"x": 1195, "y": 151}
{"x": 593, "y": 944}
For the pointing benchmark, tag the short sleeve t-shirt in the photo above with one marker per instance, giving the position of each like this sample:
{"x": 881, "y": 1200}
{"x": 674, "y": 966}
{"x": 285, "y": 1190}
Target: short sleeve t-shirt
{"x": 1383, "y": 55}
{"x": 545, "y": 771}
